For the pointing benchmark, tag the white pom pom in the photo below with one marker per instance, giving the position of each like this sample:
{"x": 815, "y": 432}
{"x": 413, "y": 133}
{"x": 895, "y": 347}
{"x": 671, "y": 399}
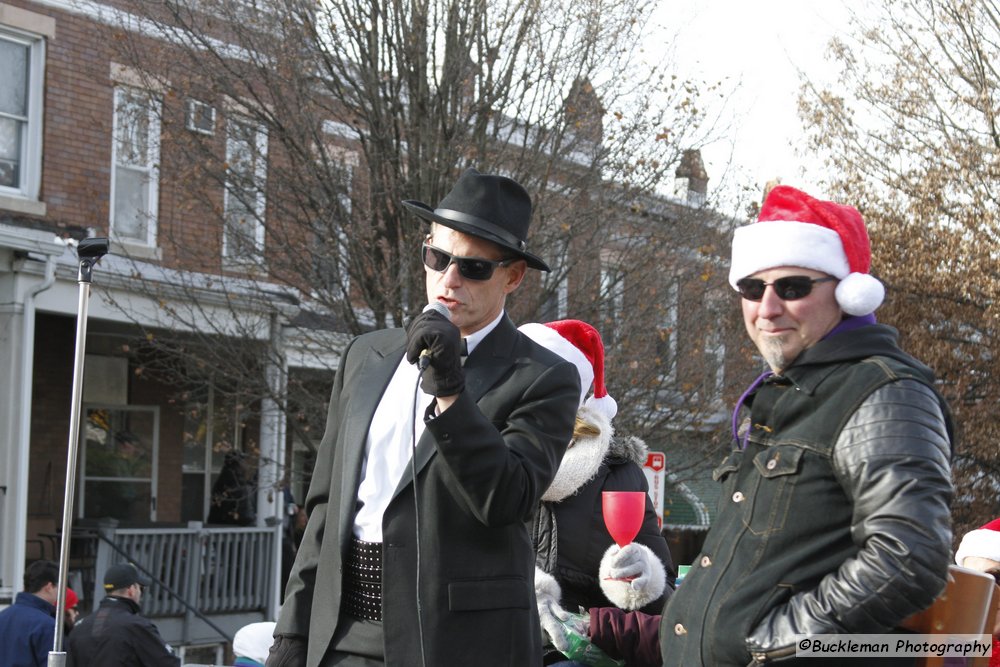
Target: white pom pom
{"x": 860, "y": 294}
{"x": 604, "y": 405}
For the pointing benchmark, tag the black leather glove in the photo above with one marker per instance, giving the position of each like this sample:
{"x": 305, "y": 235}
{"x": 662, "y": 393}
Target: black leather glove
{"x": 287, "y": 651}
{"x": 433, "y": 332}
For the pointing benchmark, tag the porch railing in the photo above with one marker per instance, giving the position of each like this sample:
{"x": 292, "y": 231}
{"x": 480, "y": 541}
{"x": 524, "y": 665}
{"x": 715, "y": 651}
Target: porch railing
{"x": 211, "y": 580}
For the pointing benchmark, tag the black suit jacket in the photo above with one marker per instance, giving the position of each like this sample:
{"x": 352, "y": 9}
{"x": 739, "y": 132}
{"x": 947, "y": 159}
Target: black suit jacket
{"x": 482, "y": 466}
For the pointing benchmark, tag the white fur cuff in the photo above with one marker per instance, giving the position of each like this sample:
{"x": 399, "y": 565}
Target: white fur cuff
{"x": 636, "y": 560}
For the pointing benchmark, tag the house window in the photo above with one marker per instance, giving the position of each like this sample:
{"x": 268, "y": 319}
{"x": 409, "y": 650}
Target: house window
{"x": 666, "y": 342}
{"x": 332, "y": 257}
{"x": 212, "y": 427}
{"x": 135, "y": 156}
{"x": 613, "y": 295}
{"x": 119, "y": 447}
{"x": 21, "y": 80}
{"x": 555, "y": 284}
{"x": 715, "y": 350}
{"x": 199, "y": 117}
{"x": 246, "y": 157}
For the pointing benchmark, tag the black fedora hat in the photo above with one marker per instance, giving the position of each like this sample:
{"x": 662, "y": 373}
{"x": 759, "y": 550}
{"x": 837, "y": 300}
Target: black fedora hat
{"x": 495, "y": 208}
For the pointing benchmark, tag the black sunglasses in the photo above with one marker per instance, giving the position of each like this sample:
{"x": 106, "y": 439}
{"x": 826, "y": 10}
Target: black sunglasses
{"x": 789, "y": 288}
{"x": 471, "y": 268}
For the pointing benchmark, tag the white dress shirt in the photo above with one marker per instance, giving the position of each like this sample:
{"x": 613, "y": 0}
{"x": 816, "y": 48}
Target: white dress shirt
{"x": 392, "y": 436}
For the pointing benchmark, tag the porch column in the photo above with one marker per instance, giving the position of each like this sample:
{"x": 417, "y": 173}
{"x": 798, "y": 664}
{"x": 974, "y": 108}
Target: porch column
{"x": 270, "y": 496}
{"x": 22, "y": 277}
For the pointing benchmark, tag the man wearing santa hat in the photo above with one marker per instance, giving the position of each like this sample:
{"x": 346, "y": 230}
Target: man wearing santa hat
{"x": 834, "y": 514}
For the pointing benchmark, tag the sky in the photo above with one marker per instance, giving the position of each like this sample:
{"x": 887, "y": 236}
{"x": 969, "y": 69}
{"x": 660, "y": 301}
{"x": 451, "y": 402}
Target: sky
{"x": 760, "y": 44}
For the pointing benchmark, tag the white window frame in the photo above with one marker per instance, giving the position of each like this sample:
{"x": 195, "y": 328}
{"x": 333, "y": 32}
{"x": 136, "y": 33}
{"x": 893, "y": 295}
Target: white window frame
{"x": 196, "y": 111}
{"x": 150, "y": 170}
{"x": 259, "y": 153}
{"x": 613, "y": 291}
{"x": 670, "y": 324}
{"x": 30, "y": 136}
{"x": 559, "y": 261}
{"x": 715, "y": 347}
{"x": 153, "y": 479}
{"x": 348, "y": 162}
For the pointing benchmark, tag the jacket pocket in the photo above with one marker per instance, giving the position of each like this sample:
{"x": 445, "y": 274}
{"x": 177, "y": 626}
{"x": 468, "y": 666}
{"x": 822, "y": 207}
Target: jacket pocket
{"x": 729, "y": 465}
{"x": 777, "y": 469}
{"x": 488, "y": 594}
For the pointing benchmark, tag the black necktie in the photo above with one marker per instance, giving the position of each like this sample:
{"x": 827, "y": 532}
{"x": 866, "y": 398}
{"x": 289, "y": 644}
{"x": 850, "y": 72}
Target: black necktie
{"x": 465, "y": 349}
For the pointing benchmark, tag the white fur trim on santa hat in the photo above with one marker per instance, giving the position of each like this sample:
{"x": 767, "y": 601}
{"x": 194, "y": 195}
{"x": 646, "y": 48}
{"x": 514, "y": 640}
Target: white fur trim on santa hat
{"x": 983, "y": 542}
{"x": 774, "y": 243}
{"x": 549, "y": 338}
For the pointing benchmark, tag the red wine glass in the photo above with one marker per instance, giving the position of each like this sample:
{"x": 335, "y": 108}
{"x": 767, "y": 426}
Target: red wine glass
{"x": 623, "y": 513}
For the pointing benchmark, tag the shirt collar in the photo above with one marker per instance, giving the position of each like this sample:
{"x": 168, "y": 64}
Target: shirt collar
{"x": 472, "y": 340}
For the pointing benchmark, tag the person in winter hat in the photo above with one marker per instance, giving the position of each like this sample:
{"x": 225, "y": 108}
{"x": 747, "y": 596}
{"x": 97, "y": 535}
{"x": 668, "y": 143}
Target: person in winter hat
{"x": 980, "y": 550}
{"x": 834, "y": 512}
{"x": 71, "y": 613}
{"x": 251, "y": 644}
{"x": 578, "y": 565}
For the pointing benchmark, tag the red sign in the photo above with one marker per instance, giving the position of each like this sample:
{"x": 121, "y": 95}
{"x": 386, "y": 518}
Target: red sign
{"x": 655, "y": 471}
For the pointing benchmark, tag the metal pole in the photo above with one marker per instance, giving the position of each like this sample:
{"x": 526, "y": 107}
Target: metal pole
{"x": 88, "y": 252}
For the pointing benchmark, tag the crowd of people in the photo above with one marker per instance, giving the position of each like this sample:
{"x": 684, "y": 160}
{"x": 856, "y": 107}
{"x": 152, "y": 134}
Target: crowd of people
{"x": 455, "y": 516}
{"x": 423, "y": 521}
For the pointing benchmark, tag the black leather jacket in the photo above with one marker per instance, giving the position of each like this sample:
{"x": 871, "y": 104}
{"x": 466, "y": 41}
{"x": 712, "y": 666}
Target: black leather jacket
{"x": 833, "y": 519}
{"x": 117, "y": 635}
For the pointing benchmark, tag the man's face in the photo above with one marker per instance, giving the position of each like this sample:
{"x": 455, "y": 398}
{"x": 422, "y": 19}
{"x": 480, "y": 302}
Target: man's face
{"x": 783, "y": 329}
{"x": 472, "y": 303}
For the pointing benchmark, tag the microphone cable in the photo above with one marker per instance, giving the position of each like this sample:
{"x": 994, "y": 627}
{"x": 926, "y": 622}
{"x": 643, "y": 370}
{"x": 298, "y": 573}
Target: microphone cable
{"x": 416, "y": 502}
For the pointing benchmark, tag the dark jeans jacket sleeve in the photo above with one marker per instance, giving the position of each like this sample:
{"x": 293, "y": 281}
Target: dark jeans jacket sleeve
{"x": 892, "y": 459}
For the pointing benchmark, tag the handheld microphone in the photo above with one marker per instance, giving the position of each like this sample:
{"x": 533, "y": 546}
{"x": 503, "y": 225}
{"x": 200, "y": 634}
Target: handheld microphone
{"x": 425, "y": 355}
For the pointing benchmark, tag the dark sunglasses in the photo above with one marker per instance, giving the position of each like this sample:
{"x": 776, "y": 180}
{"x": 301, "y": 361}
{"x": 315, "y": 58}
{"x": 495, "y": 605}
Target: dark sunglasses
{"x": 789, "y": 288}
{"x": 471, "y": 268}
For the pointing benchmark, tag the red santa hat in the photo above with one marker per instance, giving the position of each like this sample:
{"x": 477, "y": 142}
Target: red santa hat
{"x": 794, "y": 229}
{"x": 983, "y": 542}
{"x": 581, "y": 344}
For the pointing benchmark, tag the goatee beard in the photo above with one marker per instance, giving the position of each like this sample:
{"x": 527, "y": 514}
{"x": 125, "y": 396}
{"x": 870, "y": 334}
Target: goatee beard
{"x": 774, "y": 353}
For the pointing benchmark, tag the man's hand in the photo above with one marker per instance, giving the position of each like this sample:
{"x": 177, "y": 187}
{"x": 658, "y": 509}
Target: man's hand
{"x": 432, "y": 332}
{"x": 287, "y": 651}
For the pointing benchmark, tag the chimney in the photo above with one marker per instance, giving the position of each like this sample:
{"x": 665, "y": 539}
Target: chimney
{"x": 690, "y": 179}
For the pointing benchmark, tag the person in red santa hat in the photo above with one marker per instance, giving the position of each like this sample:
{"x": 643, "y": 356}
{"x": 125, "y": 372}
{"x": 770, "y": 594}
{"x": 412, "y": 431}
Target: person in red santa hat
{"x": 578, "y": 565}
{"x": 980, "y": 550}
{"x": 834, "y": 506}
{"x": 71, "y": 612}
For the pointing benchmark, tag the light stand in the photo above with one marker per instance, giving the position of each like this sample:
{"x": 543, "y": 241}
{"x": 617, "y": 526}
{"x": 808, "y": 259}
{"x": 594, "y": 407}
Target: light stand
{"x": 89, "y": 251}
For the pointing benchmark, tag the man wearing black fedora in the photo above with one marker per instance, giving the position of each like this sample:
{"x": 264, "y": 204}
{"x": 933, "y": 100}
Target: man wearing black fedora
{"x": 417, "y": 551}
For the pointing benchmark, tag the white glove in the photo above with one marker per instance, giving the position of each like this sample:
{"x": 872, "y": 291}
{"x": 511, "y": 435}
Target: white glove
{"x": 647, "y": 578}
{"x": 550, "y": 612}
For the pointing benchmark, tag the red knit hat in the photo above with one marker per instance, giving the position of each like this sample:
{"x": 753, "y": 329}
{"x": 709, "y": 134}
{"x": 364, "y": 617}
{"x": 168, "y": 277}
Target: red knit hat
{"x": 580, "y": 343}
{"x": 983, "y": 542}
{"x": 71, "y": 598}
{"x": 794, "y": 229}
